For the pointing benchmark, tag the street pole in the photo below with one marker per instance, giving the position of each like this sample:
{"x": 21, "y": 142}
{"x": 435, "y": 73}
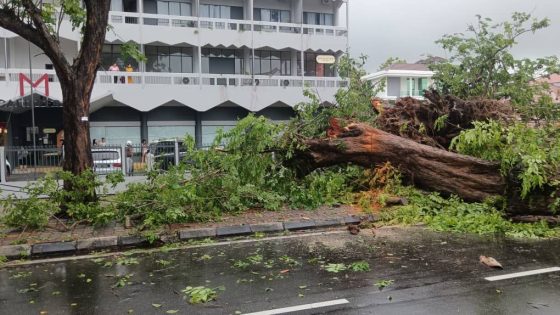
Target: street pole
{"x": 32, "y": 114}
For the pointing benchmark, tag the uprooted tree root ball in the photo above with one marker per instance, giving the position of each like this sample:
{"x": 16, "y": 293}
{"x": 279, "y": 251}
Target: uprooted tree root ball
{"x": 438, "y": 119}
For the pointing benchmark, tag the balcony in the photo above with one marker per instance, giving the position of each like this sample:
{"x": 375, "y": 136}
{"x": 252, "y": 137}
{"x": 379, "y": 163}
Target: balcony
{"x": 226, "y": 32}
{"x": 147, "y": 90}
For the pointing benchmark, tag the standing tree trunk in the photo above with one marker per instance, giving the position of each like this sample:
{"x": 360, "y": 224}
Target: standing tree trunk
{"x": 77, "y": 146}
{"x": 25, "y": 18}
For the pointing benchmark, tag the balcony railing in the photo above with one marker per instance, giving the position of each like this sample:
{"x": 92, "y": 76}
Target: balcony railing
{"x": 413, "y": 93}
{"x": 224, "y": 24}
{"x": 119, "y": 78}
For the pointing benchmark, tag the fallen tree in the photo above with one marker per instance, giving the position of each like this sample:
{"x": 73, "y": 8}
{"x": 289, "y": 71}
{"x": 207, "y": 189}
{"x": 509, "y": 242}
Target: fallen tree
{"x": 426, "y": 167}
{"x": 440, "y": 118}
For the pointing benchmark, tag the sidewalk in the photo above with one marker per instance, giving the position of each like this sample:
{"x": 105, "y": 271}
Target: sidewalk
{"x": 15, "y": 188}
{"x": 84, "y": 238}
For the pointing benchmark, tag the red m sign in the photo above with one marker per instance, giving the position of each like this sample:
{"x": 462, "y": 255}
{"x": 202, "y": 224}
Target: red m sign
{"x": 23, "y": 78}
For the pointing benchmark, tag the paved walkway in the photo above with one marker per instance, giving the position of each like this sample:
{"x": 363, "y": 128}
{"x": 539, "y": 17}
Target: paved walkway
{"x": 15, "y": 188}
{"x": 54, "y": 232}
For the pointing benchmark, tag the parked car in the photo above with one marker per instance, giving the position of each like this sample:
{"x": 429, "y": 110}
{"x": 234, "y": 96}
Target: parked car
{"x": 164, "y": 152}
{"x": 106, "y": 160}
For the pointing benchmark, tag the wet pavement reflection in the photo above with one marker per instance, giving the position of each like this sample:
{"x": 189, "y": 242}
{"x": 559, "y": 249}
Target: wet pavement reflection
{"x": 425, "y": 273}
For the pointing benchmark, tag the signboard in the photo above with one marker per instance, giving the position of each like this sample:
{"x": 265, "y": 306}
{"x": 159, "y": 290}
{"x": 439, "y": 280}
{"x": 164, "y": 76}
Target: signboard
{"x": 49, "y": 130}
{"x": 325, "y": 59}
{"x": 23, "y": 79}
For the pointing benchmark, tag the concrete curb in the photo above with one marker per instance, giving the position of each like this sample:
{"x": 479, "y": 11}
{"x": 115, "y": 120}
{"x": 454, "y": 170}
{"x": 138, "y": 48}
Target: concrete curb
{"x": 127, "y": 241}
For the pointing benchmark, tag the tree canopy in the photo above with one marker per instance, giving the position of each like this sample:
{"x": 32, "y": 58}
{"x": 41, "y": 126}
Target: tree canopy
{"x": 482, "y": 63}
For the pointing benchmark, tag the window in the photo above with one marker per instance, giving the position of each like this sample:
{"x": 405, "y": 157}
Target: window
{"x": 169, "y": 59}
{"x": 318, "y": 18}
{"x": 124, "y": 5}
{"x": 174, "y": 8}
{"x": 272, "y": 62}
{"x": 222, "y": 61}
{"x": 422, "y": 84}
{"x": 271, "y": 15}
{"x": 111, "y": 54}
{"x": 314, "y": 69}
{"x": 221, "y": 12}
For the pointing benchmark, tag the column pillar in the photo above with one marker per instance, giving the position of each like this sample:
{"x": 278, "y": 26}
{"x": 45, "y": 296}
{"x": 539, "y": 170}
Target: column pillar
{"x": 198, "y": 130}
{"x": 294, "y": 57}
{"x": 297, "y": 11}
{"x": 195, "y": 8}
{"x": 249, "y": 10}
{"x": 196, "y": 59}
{"x": 336, "y": 14}
{"x": 248, "y": 57}
{"x": 144, "y": 126}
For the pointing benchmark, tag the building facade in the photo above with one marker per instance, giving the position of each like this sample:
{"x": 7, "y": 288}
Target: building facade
{"x": 208, "y": 64}
{"x": 403, "y": 80}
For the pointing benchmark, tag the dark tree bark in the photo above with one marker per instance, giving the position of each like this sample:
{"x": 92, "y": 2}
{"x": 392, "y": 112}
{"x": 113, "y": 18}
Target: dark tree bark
{"x": 427, "y": 167}
{"x": 76, "y": 79}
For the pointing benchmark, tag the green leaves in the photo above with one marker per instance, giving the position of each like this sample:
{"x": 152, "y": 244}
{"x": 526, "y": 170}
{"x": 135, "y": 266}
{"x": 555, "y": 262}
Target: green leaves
{"x": 359, "y": 266}
{"x": 197, "y": 295}
{"x": 74, "y": 10}
{"x": 531, "y": 154}
{"x": 482, "y": 65}
{"x": 131, "y": 49}
{"x": 455, "y": 215}
{"x": 335, "y": 268}
{"x": 382, "y": 284}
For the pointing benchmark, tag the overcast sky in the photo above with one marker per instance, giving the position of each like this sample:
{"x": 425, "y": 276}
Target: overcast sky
{"x": 408, "y": 29}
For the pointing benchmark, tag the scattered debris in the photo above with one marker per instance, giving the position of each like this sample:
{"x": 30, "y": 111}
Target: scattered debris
{"x": 382, "y": 284}
{"x": 490, "y": 262}
{"x": 354, "y": 229}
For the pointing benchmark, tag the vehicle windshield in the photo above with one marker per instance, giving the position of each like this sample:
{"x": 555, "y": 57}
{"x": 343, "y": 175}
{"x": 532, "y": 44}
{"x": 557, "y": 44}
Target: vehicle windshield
{"x": 105, "y": 155}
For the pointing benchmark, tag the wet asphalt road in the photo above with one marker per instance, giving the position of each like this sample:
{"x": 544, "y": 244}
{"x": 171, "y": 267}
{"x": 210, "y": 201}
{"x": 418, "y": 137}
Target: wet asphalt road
{"x": 432, "y": 274}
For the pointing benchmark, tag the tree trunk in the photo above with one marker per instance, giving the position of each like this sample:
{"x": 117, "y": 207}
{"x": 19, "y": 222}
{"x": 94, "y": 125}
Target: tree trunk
{"x": 427, "y": 167}
{"x": 77, "y": 147}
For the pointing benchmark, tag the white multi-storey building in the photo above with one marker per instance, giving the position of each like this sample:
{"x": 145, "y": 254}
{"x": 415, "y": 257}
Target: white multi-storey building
{"x": 209, "y": 63}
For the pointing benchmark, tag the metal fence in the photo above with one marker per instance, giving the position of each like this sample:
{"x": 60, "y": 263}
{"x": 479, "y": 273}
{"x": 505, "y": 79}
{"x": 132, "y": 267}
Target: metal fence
{"x": 26, "y": 164}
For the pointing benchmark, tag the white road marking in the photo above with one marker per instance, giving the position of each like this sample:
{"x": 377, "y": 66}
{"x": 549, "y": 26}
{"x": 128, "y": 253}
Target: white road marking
{"x": 523, "y": 274}
{"x": 301, "y": 307}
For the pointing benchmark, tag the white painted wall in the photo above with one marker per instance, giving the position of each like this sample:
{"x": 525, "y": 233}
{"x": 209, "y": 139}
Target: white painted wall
{"x": 19, "y": 56}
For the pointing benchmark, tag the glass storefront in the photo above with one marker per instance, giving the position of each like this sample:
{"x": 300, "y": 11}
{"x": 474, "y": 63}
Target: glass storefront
{"x": 209, "y": 133}
{"x": 157, "y": 133}
{"x": 116, "y": 135}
